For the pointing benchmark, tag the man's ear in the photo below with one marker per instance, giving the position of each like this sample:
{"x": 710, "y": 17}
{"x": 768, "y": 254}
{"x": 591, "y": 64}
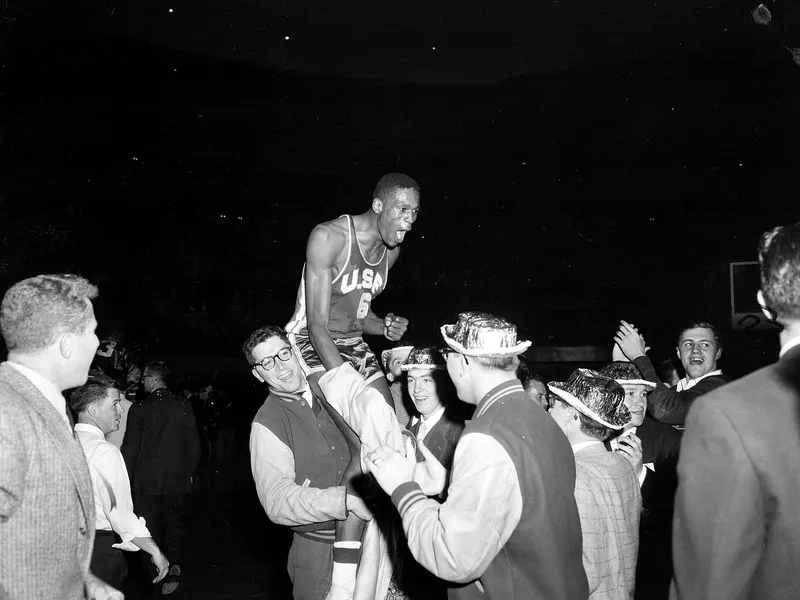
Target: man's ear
{"x": 65, "y": 345}
{"x": 257, "y": 376}
{"x": 719, "y": 353}
{"x": 377, "y": 206}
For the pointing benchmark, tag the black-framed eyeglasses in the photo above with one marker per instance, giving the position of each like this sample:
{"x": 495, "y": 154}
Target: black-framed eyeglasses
{"x": 448, "y": 351}
{"x": 268, "y": 362}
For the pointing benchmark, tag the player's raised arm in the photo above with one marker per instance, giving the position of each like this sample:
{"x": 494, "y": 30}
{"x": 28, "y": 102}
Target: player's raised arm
{"x": 321, "y": 252}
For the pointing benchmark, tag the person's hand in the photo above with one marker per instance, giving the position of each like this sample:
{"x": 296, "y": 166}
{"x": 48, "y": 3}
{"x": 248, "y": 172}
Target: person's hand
{"x": 97, "y": 589}
{"x": 390, "y": 468}
{"x": 358, "y": 507}
{"x": 617, "y": 355}
{"x": 630, "y": 446}
{"x": 394, "y": 327}
{"x": 430, "y": 475}
{"x": 629, "y": 341}
{"x": 161, "y": 564}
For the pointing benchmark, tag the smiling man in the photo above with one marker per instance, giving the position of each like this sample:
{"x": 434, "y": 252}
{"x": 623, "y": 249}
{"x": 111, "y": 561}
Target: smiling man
{"x": 298, "y": 456}
{"x": 698, "y": 349}
{"x": 440, "y": 415}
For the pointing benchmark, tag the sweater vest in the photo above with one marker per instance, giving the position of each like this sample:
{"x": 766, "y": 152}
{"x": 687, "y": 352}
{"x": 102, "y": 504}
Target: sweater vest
{"x": 543, "y": 557}
{"x": 319, "y": 447}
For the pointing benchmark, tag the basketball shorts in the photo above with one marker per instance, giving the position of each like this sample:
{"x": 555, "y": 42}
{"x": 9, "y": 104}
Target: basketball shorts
{"x": 353, "y": 350}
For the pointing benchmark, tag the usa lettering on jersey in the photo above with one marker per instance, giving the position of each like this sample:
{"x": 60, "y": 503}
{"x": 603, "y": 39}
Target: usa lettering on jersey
{"x": 369, "y": 281}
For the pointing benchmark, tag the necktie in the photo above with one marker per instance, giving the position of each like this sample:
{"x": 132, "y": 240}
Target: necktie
{"x": 422, "y": 430}
{"x": 313, "y": 402}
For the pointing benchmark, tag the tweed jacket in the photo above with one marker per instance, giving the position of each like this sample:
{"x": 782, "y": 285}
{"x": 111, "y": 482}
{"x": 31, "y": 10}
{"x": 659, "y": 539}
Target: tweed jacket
{"x": 736, "y": 532}
{"x": 46, "y": 500}
{"x": 609, "y": 503}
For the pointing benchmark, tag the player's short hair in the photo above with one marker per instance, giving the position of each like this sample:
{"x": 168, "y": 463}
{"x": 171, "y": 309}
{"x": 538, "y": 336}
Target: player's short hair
{"x": 526, "y": 376}
{"x": 779, "y": 259}
{"x": 37, "y": 310}
{"x": 157, "y": 369}
{"x": 388, "y": 186}
{"x": 502, "y": 363}
{"x": 699, "y": 324}
{"x": 92, "y": 392}
{"x": 259, "y": 336}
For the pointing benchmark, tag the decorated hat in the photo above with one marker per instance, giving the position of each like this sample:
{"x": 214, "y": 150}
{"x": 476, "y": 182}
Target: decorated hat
{"x": 483, "y": 335}
{"x": 598, "y": 397}
{"x": 424, "y": 358}
{"x": 625, "y": 372}
{"x": 386, "y": 355}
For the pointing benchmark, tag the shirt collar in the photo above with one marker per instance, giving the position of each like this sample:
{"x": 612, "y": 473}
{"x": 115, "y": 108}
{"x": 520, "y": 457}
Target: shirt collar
{"x": 92, "y": 430}
{"x": 686, "y": 383}
{"x": 795, "y": 341}
{"x": 581, "y": 445}
{"x": 46, "y": 387}
{"x": 432, "y": 420}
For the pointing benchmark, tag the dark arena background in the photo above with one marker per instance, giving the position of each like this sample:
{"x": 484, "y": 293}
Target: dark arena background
{"x": 580, "y": 162}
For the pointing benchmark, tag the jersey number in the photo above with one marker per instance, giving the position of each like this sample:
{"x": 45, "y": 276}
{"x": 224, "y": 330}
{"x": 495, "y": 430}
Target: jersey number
{"x": 363, "y": 305}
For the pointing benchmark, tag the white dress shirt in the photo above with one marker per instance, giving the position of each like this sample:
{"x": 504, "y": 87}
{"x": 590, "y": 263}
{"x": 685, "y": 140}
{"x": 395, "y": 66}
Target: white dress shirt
{"x": 112, "y": 489}
{"x": 48, "y": 389}
{"x": 428, "y": 423}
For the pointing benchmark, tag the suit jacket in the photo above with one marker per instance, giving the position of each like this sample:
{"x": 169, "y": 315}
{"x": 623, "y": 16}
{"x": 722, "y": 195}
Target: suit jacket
{"x": 442, "y": 439}
{"x": 161, "y": 446}
{"x": 660, "y": 446}
{"x": 667, "y": 404}
{"x": 46, "y": 500}
{"x": 736, "y": 532}
{"x": 609, "y": 503}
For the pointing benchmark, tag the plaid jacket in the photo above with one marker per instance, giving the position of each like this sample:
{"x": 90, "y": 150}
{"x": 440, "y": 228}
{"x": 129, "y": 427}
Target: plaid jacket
{"x": 46, "y": 501}
{"x": 609, "y": 504}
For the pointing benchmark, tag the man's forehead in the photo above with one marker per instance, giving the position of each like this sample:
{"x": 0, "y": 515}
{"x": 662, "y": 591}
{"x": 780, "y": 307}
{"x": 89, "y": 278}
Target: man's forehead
{"x": 269, "y": 347}
{"x": 407, "y": 196}
{"x": 634, "y": 387}
{"x": 698, "y": 334}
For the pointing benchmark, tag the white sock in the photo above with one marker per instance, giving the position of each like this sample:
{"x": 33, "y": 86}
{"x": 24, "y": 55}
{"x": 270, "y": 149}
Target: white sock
{"x": 344, "y": 573}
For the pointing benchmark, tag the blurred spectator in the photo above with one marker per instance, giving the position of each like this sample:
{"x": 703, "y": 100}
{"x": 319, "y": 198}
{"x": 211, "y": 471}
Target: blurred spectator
{"x": 161, "y": 450}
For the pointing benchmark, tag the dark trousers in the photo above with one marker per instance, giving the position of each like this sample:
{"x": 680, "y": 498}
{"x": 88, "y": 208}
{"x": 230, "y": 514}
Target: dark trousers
{"x": 108, "y": 563}
{"x": 163, "y": 515}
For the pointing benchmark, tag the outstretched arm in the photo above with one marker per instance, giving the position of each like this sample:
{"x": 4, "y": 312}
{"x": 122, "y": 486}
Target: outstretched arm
{"x": 321, "y": 252}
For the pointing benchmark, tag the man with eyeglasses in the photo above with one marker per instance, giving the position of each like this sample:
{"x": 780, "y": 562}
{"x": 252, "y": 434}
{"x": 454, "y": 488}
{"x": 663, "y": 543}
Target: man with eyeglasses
{"x": 298, "y": 456}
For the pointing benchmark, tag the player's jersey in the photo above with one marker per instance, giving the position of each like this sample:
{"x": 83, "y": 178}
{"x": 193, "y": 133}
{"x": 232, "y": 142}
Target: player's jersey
{"x": 110, "y": 358}
{"x": 352, "y": 291}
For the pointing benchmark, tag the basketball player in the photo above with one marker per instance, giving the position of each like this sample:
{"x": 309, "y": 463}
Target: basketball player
{"x": 347, "y": 267}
